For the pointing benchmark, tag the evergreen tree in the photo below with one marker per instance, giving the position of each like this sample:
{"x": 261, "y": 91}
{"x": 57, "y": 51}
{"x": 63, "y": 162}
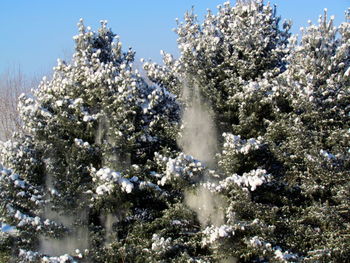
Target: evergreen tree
{"x": 99, "y": 168}
{"x": 222, "y": 55}
{"x": 310, "y": 141}
{"x": 85, "y": 162}
{"x": 281, "y": 175}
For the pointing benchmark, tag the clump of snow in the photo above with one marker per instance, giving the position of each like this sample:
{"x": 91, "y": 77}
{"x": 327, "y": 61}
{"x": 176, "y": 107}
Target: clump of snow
{"x": 250, "y": 180}
{"x": 285, "y": 256}
{"x": 234, "y": 144}
{"x": 184, "y": 166}
{"x": 144, "y": 185}
{"x": 31, "y": 256}
{"x": 176, "y": 222}
{"x": 107, "y": 179}
{"x": 214, "y": 233}
{"x": 160, "y": 244}
{"x": 26, "y": 220}
{"x": 126, "y": 185}
{"x": 255, "y": 242}
{"x": 279, "y": 254}
{"x": 81, "y": 143}
{"x": 8, "y": 177}
{"x": 88, "y": 117}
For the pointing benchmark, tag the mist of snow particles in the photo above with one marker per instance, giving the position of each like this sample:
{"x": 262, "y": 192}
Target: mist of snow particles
{"x": 77, "y": 237}
{"x": 198, "y": 137}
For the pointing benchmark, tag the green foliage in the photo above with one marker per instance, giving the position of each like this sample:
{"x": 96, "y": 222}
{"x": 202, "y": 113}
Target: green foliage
{"x": 100, "y": 154}
{"x": 4, "y": 257}
{"x": 239, "y": 44}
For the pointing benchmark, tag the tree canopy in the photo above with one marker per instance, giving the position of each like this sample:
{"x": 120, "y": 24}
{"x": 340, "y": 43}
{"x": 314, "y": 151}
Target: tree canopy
{"x": 236, "y": 151}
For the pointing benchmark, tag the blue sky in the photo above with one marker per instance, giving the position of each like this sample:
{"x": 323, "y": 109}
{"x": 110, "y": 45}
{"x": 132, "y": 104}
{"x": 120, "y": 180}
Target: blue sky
{"x": 33, "y": 34}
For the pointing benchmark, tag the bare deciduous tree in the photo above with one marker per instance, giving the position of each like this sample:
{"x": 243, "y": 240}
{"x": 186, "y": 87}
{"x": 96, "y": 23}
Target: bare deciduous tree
{"x": 12, "y": 83}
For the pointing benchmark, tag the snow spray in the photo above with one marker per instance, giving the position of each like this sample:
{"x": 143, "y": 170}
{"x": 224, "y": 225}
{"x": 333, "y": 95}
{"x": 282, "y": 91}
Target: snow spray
{"x": 77, "y": 237}
{"x": 198, "y": 137}
{"x": 116, "y": 161}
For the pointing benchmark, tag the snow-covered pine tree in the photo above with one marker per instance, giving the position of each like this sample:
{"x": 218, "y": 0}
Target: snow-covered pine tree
{"x": 85, "y": 161}
{"x": 234, "y": 59}
{"x": 311, "y": 141}
{"x": 240, "y": 43}
{"x": 277, "y": 192}
{"x": 100, "y": 162}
